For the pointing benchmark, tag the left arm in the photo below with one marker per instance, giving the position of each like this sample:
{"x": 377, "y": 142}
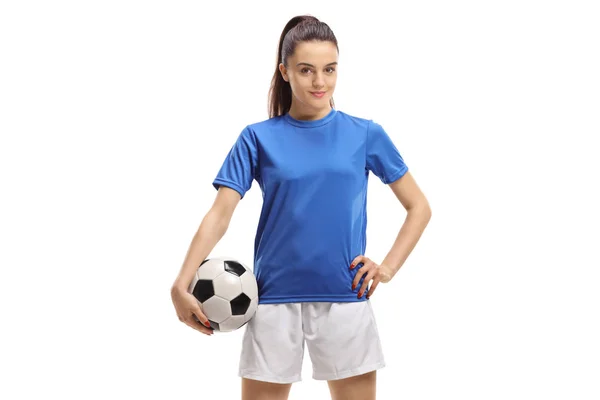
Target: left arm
{"x": 418, "y": 215}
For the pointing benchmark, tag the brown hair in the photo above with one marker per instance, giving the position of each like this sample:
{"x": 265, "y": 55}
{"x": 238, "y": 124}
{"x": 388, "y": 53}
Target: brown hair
{"x": 298, "y": 29}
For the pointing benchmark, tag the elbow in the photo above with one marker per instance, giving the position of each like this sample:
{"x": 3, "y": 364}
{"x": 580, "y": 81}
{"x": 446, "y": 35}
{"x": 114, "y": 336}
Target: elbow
{"x": 422, "y": 209}
{"x": 216, "y": 222}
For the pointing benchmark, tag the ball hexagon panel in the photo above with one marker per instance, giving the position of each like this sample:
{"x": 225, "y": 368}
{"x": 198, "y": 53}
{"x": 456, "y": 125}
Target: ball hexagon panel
{"x": 249, "y": 285}
{"x": 216, "y": 309}
{"x": 232, "y": 323}
{"x": 210, "y": 269}
{"x": 203, "y": 290}
{"x": 227, "y": 286}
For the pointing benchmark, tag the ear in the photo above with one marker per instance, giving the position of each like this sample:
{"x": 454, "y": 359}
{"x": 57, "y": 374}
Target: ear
{"x": 283, "y": 72}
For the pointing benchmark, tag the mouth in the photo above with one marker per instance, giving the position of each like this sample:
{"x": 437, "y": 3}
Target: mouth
{"x": 318, "y": 94}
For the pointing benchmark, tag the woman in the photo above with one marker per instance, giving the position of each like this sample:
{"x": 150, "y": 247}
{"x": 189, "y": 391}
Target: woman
{"x": 312, "y": 164}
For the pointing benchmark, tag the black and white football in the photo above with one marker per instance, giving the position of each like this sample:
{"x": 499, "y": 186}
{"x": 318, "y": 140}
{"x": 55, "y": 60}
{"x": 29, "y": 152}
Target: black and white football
{"x": 227, "y": 293}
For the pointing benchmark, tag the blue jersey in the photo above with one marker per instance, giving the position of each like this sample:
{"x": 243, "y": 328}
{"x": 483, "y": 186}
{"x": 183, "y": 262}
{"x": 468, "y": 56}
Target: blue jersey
{"x": 313, "y": 176}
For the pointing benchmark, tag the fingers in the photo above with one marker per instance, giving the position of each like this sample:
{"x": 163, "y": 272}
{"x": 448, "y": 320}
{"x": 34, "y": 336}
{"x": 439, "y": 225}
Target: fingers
{"x": 200, "y": 317}
{"x": 367, "y": 266}
{"x": 194, "y": 321}
{"x": 200, "y": 323}
{"x": 357, "y": 261}
{"x": 370, "y": 268}
{"x": 369, "y": 276}
{"x": 189, "y": 311}
{"x": 373, "y": 287}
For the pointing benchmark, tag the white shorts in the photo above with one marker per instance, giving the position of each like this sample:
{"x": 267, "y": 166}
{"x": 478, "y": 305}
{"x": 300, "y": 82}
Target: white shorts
{"x": 342, "y": 341}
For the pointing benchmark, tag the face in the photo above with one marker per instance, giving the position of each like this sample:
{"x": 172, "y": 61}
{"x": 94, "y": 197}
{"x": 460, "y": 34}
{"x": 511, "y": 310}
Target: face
{"x": 312, "y": 74}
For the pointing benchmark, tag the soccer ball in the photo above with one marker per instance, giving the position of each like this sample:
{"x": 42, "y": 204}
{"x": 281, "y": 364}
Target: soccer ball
{"x": 227, "y": 293}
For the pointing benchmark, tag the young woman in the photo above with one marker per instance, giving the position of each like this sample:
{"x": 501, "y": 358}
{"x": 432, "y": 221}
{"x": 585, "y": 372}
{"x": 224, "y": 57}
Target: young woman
{"x": 312, "y": 164}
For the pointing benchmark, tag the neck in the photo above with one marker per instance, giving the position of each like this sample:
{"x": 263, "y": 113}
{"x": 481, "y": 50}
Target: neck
{"x": 306, "y": 113}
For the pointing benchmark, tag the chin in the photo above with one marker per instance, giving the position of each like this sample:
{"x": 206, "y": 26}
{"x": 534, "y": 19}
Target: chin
{"x": 319, "y": 102}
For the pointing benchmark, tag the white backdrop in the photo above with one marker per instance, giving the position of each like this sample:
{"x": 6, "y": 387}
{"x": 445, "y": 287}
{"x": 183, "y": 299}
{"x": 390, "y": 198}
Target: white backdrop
{"x": 116, "y": 116}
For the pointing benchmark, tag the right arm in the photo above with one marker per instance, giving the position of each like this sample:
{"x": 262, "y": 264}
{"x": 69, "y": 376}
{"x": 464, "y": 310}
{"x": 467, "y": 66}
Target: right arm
{"x": 211, "y": 230}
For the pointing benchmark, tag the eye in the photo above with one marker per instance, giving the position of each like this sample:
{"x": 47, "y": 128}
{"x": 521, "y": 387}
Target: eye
{"x": 305, "y": 70}
{"x": 332, "y": 69}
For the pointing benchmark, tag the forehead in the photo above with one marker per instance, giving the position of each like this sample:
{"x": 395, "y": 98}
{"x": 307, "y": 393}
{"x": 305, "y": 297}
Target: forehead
{"x": 315, "y": 52}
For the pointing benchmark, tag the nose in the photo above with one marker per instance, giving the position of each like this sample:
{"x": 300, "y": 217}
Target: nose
{"x": 318, "y": 81}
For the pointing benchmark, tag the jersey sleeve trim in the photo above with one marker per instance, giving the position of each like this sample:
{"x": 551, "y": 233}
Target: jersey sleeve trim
{"x": 222, "y": 182}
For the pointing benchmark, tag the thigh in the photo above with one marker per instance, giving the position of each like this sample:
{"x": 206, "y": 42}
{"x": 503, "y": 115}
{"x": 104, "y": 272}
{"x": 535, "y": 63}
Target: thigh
{"x": 342, "y": 339}
{"x": 273, "y": 344}
{"x": 258, "y": 390}
{"x": 359, "y": 387}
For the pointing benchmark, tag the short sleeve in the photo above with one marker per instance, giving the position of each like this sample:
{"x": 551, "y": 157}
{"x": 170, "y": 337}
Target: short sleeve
{"x": 383, "y": 158}
{"x": 240, "y": 165}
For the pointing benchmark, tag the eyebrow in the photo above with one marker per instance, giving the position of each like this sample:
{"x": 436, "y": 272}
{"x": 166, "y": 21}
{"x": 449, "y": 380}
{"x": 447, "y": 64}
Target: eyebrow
{"x": 310, "y": 65}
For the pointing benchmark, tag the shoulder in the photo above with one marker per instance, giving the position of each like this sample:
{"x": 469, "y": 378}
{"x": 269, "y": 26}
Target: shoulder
{"x": 253, "y": 131}
{"x": 354, "y": 119}
{"x": 370, "y": 130}
{"x": 266, "y": 124}
{"x": 362, "y": 123}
